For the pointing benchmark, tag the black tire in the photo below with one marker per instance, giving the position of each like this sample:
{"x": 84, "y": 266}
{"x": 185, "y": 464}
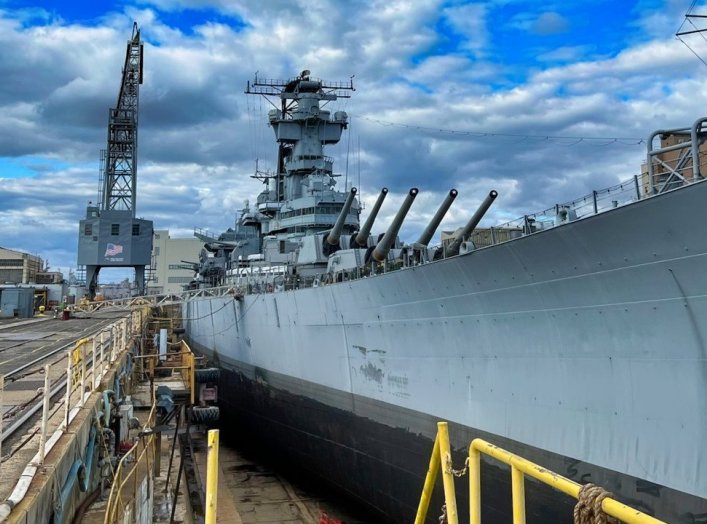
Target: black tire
{"x": 206, "y": 375}
{"x": 204, "y": 415}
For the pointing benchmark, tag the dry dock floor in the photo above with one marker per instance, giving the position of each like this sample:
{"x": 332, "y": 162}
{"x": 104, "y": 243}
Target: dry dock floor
{"x": 252, "y": 493}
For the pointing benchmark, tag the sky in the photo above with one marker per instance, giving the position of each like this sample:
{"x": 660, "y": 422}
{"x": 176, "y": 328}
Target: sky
{"x": 449, "y": 94}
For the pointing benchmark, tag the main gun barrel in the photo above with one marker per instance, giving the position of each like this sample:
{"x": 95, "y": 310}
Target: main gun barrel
{"x": 453, "y": 248}
{"x": 333, "y": 237}
{"x": 362, "y": 236}
{"x": 380, "y": 253}
{"x": 429, "y": 231}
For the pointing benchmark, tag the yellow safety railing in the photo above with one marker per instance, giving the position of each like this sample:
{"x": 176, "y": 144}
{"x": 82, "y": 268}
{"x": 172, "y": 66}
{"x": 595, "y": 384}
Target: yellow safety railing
{"x": 442, "y": 459}
{"x": 129, "y": 474}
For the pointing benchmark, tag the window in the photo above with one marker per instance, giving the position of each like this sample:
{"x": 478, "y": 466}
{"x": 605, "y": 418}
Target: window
{"x": 136, "y": 230}
{"x": 157, "y": 251}
{"x": 88, "y": 230}
{"x": 181, "y": 266}
{"x": 115, "y": 229}
{"x": 282, "y": 246}
{"x": 178, "y": 280}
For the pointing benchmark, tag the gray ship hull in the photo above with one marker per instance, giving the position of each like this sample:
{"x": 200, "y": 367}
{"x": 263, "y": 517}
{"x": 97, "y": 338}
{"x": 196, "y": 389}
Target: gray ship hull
{"x": 581, "y": 347}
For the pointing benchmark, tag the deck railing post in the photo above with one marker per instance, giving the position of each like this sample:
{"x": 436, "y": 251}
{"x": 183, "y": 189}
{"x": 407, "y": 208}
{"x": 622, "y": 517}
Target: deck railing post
{"x": 518, "y": 490}
{"x": 45, "y": 415}
{"x": 212, "y": 477}
{"x": 430, "y": 478}
{"x": 447, "y": 476}
{"x": 102, "y": 343}
{"x": 474, "y": 485}
{"x": 82, "y": 345}
{"x": 67, "y": 401}
{"x": 94, "y": 365}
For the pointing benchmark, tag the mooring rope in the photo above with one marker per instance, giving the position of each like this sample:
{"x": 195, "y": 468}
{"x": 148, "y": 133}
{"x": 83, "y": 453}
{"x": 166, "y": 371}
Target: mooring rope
{"x": 588, "y": 509}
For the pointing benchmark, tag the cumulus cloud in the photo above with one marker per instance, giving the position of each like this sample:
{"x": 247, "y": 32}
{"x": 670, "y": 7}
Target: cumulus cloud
{"x": 435, "y": 107}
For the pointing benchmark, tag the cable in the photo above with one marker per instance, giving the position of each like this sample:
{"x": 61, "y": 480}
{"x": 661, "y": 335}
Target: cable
{"x": 492, "y": 134}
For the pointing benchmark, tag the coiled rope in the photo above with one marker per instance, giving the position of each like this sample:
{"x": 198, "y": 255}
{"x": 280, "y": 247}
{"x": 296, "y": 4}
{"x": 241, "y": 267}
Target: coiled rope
{"x": 588, "y": 509}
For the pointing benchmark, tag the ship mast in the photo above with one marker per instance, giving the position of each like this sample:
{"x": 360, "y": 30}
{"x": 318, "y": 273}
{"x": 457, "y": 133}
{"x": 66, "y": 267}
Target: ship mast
{"x": 302, "y": 128}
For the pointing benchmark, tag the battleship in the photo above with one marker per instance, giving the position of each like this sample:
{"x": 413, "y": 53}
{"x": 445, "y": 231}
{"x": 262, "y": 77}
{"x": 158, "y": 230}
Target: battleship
{"x": 575, "y": 338}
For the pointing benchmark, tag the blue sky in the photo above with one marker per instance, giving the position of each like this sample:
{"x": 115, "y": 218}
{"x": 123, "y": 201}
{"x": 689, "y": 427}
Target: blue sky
{"x": 506, "y": 67}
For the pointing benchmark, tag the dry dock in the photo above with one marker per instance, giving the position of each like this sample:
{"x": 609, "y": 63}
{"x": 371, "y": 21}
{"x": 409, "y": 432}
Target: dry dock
{"x": 99, "y": 426}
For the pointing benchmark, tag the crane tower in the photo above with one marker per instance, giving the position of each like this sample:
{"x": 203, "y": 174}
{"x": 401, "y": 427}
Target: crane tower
{"x": 111, "y": 235}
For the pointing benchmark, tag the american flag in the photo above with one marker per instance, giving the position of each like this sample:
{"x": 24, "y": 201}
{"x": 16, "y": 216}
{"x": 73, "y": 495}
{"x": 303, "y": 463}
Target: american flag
{"x": 113, "y": 249}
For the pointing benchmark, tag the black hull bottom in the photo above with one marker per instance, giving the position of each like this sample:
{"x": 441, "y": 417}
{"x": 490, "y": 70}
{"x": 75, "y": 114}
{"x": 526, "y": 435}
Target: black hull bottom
{"x": 382, "y": 468}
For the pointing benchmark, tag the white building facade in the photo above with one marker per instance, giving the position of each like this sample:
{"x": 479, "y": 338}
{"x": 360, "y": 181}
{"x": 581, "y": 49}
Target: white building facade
{"x": 171, "y": 258}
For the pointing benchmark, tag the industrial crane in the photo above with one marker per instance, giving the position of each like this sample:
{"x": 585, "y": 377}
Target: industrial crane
{"x": 110, "y": 235}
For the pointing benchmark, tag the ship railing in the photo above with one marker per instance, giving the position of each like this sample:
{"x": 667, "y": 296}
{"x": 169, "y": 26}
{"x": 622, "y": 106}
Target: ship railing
{"x": 596, "y": 202}
{"x": 520, "y": 468}
{"x": 205, "y": 233}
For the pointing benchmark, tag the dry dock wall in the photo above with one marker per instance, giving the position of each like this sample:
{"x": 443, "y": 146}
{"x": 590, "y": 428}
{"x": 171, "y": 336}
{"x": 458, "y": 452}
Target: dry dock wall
{"x": 42, "y": 501}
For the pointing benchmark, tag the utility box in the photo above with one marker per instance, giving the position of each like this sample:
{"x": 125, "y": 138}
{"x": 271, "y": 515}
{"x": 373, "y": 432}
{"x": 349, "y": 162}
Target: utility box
{"x": 17, "y": 302}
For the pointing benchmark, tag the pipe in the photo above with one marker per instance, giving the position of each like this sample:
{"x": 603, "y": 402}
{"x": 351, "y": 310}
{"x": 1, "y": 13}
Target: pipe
{"x": 106, "y": 406}
{"x": 81, "y": 510}
{"x": 333, "y": 236}
{"x": 362, "y": 236}
{"x": 85, "y": 479}
{"x": 111, "y": 441}
{"x": 453, "y": 248}
{"x": 649, "y": 159}
{"x": 67, "y": 488}
{"x": 429, "y": 231}
{"x": 695, "y": 147}
{"x": 380, "y": 253}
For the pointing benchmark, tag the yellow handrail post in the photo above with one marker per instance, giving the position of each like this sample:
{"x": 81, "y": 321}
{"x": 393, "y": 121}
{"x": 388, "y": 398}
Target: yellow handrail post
{"x": 212, "y": 477}
{"x": 518, "y": 490}
{"x": 474, "y": 485}
{"x": 450, "y": 497}
{"x": 430, "y": 478}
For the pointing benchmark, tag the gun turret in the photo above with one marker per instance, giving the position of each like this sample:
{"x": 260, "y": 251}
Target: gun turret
{"x": 429, "y": 231}
{"x": 331, "y": 240}
{"x": 362, "y": 236}
{"x": 380, "y": 253}
{"x": 453, "y": 248}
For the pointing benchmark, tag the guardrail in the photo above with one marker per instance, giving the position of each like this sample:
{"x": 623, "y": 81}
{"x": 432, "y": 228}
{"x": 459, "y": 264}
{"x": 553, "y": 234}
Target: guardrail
{"x": 130, "y": 473}
{"x": 442, "y": 459}
{"x": 88, "y": 361}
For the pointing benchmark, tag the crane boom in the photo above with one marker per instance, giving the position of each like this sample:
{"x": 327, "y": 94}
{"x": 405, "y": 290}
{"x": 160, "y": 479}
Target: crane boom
{"x": 120, "y": 179}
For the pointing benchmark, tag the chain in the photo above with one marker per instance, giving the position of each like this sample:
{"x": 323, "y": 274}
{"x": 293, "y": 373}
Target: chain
{"x": 443, "y": 517}
{"x": 456, "y": 472}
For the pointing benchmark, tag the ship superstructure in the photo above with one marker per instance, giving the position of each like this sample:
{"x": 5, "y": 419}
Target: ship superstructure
{"x": 300, "y": 200}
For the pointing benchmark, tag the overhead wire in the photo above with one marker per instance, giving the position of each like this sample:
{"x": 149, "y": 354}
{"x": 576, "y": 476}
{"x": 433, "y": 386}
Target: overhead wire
{"x": 521, "y": 136}
{"x": 697, "y": 30}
